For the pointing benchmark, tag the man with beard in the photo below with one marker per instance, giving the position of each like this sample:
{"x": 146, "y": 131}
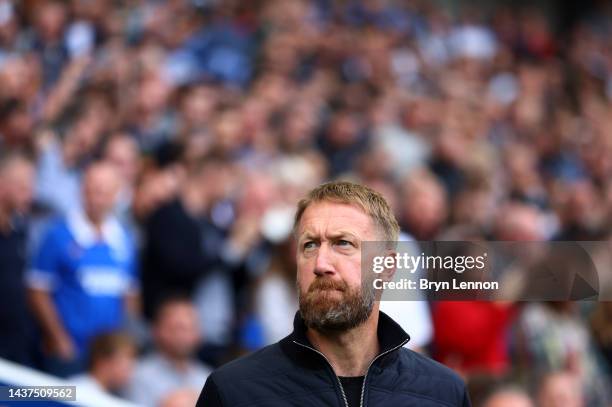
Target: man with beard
{"x": 343, "y": 351}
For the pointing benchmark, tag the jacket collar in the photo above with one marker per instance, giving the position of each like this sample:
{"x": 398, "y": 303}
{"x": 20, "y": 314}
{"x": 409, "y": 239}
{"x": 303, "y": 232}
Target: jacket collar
{"x": 84, "y": 232}
{"x": 390, "y": 334}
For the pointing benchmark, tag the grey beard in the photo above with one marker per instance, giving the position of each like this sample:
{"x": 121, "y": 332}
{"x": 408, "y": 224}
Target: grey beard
{"x": 349, "y": 313}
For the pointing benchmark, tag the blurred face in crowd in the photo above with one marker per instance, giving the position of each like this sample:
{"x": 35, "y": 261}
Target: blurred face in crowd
{"x": 519, "y": 223}
{"x": 228, "y": 132}
{"x": 8, "y": 22}
{"x": 424, "y": 208}
{"x": 81, "y": 139}
{"x": 122, "y": 152}
{"x": 176, "y": 330}
{"x": 522, "y": 166}
{"x": 582, "y": 202}
{"x": 17, "y": 127}
{"x": 153, "y": 94}
{"x": 343, "y": 130}
{"x": 20, "y": 77}
{"x": 100, "y": 189}
{"x": 50, "y": 20}
{"x": 16, "y": 185}
{"x": 509, "y": 399}
{"x": 298, "y": 128}
{"x": 198, "y": 106}
{"x": 329, "y": 283}
{"x": 560, "y": 389}
{"x": 119, "y": 367}
{"x": 259, "y": 193}
{"x": 475, "y": 207}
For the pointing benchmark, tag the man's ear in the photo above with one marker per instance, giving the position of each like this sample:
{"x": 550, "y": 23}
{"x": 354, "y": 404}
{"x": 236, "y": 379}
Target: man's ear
{"x": 390, "y": 266}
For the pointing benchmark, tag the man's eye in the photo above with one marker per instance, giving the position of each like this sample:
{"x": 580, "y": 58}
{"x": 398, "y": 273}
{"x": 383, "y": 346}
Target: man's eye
{"x": 309, "y": 245}
{"x": 344, "y": 243}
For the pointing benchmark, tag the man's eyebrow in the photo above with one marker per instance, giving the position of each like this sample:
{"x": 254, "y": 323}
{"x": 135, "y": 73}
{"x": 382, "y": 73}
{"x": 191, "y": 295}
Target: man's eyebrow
{"x": 308, "y": 235}
{"x": 337, "y": 235}
{"x": 343, "y": 233}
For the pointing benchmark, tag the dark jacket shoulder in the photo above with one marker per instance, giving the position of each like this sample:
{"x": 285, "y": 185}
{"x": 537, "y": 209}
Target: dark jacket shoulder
{"x": 266, "y": 376}
{"x": 264, "y": 361}
{"x": 425, "y": 379}
{"x": 292, "y": 373}
{"x": 423, "y": 365}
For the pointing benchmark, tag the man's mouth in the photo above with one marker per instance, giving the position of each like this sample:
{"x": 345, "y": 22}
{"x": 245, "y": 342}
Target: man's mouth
{"x": 323, "y": 285}
{"x": 327, "y": 289}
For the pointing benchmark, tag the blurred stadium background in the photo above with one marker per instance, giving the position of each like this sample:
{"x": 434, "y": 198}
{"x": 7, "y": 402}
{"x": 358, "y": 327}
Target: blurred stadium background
{"x": 152, "y": 153}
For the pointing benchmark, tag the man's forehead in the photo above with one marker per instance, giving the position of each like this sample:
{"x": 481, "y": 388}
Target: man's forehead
{"x": 330, "y": 217}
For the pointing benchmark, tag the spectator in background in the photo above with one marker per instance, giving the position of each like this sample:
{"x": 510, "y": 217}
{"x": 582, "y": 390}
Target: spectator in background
{"x": 508, "y": 397}
{"x": 49, "y": 24}
{"x": 560, "y": 389}
{"x": 159, "y": 184}
{"x": 423, "y": 208}
{"x": 552, "y": 336}
{"x": 343, "y": 142}
{"x": 582, "y": 212}
{"x": 122, "y": 151}
{"x": 110, "y": 365}
{"x": 601, "y": 324}
{"x": 152, "y": 122}
{"x": 413, "y": 316}
{"x": 61, "y": 164}
{"x": 15, "y": 125}
{"x": 472, "y": 336}
{"x": 83, "y": 281}
{"x": 16, "y": 185}
{"x": 274, "y": 297}
{"x": 181, "y": 244}
{"x": 171, "y": 373}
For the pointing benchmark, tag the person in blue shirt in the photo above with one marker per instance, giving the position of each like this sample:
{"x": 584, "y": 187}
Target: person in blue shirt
{"x": 83, "y": 278}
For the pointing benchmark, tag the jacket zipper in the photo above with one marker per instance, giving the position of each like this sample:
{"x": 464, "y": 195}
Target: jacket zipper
{"x": 371, "y": 363}
{"x": 332, "y": 369}
{"x": 366, "y": 373}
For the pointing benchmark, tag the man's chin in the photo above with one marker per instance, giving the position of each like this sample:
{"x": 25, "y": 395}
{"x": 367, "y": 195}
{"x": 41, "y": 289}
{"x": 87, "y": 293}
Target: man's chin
{"x": 330, "y": 323}
{"x": 331, "y": 316}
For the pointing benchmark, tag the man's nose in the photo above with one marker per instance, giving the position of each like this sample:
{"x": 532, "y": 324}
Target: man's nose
{"x": 324, "y": 263}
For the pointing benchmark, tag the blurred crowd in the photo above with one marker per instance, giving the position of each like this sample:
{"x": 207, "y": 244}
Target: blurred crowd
{"x": 152, "y": 154}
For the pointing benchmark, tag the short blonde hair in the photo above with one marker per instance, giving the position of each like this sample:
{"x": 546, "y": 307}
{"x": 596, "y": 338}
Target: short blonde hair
{"x": 343, "y": 192}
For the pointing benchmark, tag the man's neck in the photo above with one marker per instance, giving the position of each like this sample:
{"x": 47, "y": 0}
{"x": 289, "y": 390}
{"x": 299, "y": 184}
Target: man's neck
{"x": 350, "y": 352}
{"x": 102, "y": 378}
{"x": 69, "y": 156}
{"x": 192, "y": 201}
{"x": 181, "y": 364}
{"x": 97, "y": 226}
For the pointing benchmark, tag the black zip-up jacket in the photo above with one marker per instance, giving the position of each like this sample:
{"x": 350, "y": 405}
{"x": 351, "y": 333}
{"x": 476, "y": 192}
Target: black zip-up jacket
{"x": 293, "y": 373}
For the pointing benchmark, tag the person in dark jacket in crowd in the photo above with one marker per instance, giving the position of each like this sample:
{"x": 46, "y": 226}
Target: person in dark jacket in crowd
{"x": 16, "y": 185}
{"x": 343, "y": 351}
